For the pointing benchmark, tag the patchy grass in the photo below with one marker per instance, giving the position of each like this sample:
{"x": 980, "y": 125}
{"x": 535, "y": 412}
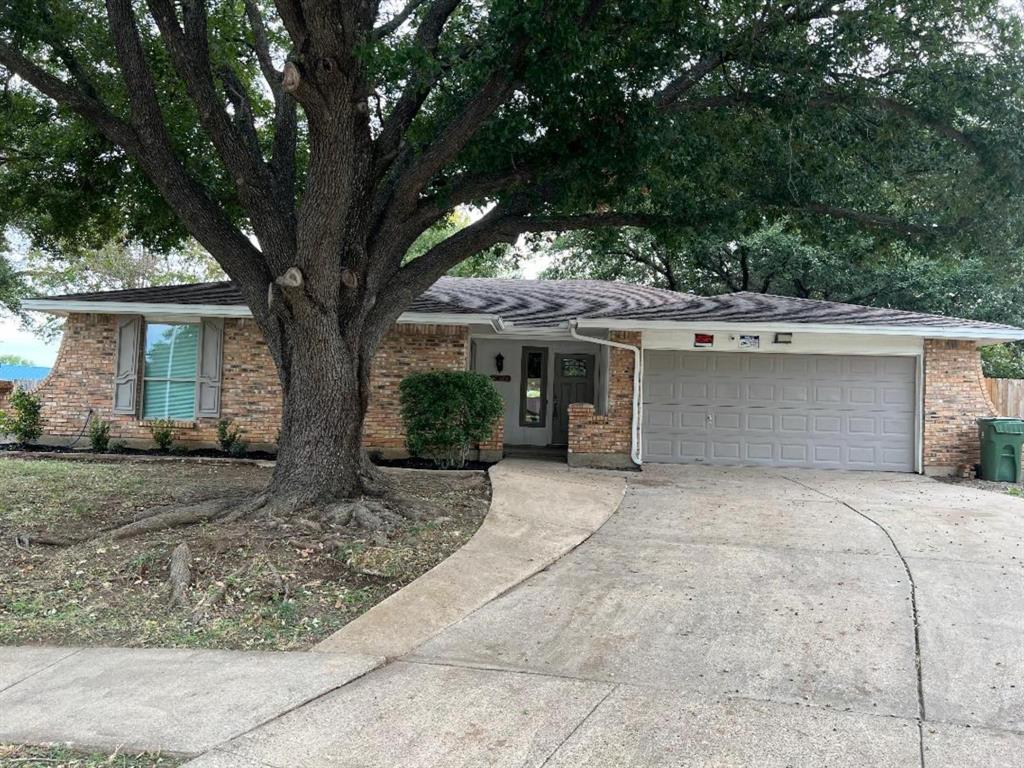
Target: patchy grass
{"x": 62, "y": 757}
{"x": 267, "y": 584}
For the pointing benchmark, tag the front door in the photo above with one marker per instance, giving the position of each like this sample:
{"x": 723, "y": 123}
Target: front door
{"x": 574, "y": 383}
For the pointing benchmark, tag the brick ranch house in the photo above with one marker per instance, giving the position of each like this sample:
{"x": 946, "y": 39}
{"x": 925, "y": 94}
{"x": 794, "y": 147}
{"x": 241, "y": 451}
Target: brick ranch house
{"x": 617, "y": 374}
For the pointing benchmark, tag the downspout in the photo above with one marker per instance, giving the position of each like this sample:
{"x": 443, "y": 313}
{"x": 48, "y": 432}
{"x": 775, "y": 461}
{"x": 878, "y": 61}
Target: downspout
{"x": 634, "y": 437}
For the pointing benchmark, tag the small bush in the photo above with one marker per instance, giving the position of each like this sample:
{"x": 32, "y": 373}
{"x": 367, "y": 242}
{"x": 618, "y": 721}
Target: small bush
{"x": 99, "y": 435}
{"x": 230, "y": 438}
{"x": 118, "y": 446}
{"x": 239, "y": 449}
{"x": 163, "y": 433}
{"x": 445, "y": 412}
{"x": 25, "y": 420}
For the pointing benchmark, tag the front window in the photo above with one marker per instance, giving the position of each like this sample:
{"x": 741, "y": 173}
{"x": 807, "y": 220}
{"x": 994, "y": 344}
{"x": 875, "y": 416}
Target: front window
{"x": 171, "y": 363}
{"x": 533, "y": 394}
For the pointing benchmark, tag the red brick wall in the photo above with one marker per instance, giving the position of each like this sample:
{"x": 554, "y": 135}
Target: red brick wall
{"x": 954, "y": 396}
{"x": 82, "y": 378}
{"x": 408, "y": 349}
{"x": 609, "y": 433}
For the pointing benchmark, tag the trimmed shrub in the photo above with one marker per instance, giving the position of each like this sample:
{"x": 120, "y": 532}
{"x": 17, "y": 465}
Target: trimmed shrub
{"x": 99, "y": 435}
{"x": 163, "y": 433}
{"x": 446, "y": 412}
{"x": 25, "y": 420}
{"x": 229, "y": 437}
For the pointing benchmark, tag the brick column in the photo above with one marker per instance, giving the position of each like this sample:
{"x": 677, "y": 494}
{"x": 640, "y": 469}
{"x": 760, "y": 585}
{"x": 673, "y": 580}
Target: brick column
{"x": 954, "y": 397}
{"x": 493, "y": 448}
{"x": 603, "y": 440}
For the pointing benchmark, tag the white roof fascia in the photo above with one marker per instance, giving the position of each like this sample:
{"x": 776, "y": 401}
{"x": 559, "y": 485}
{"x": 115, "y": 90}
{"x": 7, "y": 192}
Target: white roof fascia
{"x": 924, "y": 331}
{"x": 66, "y": 307}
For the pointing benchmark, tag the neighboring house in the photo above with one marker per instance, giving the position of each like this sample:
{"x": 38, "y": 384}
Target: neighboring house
{"x": 734, "y": 379}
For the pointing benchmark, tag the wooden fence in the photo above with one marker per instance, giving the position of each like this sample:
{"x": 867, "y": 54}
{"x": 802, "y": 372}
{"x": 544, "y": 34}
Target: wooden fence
{"x": 1007, "y": 395}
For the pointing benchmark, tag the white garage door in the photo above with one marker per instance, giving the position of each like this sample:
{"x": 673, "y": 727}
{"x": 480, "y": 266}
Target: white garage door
{"x": 830, "y": 411}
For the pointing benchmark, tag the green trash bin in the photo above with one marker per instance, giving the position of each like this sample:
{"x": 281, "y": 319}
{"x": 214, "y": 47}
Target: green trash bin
{"x": 1001, "y": 441}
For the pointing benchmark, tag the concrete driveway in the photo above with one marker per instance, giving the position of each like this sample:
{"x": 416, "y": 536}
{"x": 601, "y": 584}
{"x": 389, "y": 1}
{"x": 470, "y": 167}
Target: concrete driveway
{"x": 722, "y": 617}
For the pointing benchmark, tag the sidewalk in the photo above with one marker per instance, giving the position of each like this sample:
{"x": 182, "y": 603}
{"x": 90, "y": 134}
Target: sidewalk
{"x": 170, "y": 700}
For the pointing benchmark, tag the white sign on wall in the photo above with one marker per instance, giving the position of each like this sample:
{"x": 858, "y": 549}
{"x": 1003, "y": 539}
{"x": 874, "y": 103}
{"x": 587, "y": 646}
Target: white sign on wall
{"x": 750, "y": 342}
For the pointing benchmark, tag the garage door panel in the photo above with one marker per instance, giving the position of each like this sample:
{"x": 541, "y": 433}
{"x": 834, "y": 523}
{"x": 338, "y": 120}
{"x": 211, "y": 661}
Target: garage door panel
{"x": 795, "y": 393}
{"x": 759, "y": 452}
{"x": 759, "y": 422}
{"x": 786, "y": 410}
{"x": 827, "y": 424}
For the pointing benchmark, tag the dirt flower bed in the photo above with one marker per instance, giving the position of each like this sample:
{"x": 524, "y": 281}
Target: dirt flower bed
{"x": 61, "y": 757}
{"x": 256, "y": 584}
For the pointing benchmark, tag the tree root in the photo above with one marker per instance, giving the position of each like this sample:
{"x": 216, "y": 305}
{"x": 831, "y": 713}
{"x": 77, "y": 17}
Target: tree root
{"x": 26, "y": 540}
{"x": 175, "y": 517}
{"x": 181, "y": 574}
{"x": 368, "y": 512}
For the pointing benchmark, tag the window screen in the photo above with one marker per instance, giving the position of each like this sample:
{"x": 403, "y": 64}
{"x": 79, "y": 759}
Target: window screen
{"x": 169, "y": 384}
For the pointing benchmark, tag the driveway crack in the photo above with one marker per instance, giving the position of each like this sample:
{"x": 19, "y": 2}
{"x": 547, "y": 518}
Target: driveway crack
{"x": 913, "y": 608}
{"x": 579, "y": 725}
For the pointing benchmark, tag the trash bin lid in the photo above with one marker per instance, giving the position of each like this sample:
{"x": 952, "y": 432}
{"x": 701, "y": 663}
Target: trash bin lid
{"x": 1008, "y": 426}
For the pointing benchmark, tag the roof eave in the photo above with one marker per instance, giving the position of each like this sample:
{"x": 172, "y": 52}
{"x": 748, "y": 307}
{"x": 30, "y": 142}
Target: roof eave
{"x": 993, "y": 335}
{"x": 65, "y": 307}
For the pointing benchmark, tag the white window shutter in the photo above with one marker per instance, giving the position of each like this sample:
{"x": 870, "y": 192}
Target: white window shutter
{"x": 126, "y": 356}
{"x": 211, "y": 350}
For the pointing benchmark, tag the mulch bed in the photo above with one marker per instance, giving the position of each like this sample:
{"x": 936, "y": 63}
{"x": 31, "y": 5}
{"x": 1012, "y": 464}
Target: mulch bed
{"x": 258, "y": 584}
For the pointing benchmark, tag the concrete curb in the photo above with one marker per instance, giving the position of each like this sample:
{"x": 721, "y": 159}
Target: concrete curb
{"x": 539, "y": 512}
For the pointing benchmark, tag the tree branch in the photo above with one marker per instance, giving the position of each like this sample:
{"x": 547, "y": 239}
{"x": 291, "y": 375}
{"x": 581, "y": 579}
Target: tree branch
{"x": 428, "y": 36}
{"x": 147, "y": 143}
{"x": 865, "y": 218}
{"x": 391, "y": 25}
{"x": 793, "y": 12}
{"x": 500, "y": 225}
{"x": 236, "y": 141}
{"x": 832, "y": 99}
{"x": 261, "y": 45}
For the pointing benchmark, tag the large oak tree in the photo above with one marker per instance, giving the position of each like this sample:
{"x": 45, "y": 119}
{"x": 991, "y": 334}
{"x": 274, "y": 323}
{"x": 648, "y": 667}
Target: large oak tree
{"x": 307, "y": 144}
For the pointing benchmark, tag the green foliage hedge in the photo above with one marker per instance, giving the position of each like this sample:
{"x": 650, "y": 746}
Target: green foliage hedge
{"x": 1003, "y": 361}
{"x": 25, "y": 420}
{"x": 446, "y": 412}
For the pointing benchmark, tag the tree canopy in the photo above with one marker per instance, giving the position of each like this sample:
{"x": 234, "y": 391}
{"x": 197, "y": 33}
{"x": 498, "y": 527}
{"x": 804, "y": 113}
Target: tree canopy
{"x": 308, "y": 144}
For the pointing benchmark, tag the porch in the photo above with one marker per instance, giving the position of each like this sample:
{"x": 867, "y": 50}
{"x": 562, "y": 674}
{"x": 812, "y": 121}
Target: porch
{"x": 565, "y": 398}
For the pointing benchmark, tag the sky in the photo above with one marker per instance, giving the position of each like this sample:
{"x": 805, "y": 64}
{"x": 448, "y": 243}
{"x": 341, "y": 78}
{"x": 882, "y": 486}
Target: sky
{"x": 15, "y": 340}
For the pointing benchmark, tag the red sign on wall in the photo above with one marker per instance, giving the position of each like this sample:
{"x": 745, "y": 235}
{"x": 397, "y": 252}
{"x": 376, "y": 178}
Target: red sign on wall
{"x": 703, "y": 340}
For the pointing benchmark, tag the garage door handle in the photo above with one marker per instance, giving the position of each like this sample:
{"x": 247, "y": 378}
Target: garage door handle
{"x": 710, "y": 419}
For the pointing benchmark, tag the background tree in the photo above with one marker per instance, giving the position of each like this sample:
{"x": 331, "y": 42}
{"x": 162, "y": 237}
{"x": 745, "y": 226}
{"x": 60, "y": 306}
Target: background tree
{"x": 308, "y": 144}
{"x": 10, "y": 359}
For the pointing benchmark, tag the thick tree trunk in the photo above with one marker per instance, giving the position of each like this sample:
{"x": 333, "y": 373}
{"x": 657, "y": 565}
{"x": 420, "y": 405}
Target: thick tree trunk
{"x": 325, "y": 376}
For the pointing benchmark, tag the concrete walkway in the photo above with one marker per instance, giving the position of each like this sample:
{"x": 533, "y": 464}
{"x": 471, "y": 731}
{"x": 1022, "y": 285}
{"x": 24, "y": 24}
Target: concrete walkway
{"x": 178, "y": 701}
{"x": 722, "y": 617}
{"x": 189, "y": 701}
{"x": 540, "y": 510}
